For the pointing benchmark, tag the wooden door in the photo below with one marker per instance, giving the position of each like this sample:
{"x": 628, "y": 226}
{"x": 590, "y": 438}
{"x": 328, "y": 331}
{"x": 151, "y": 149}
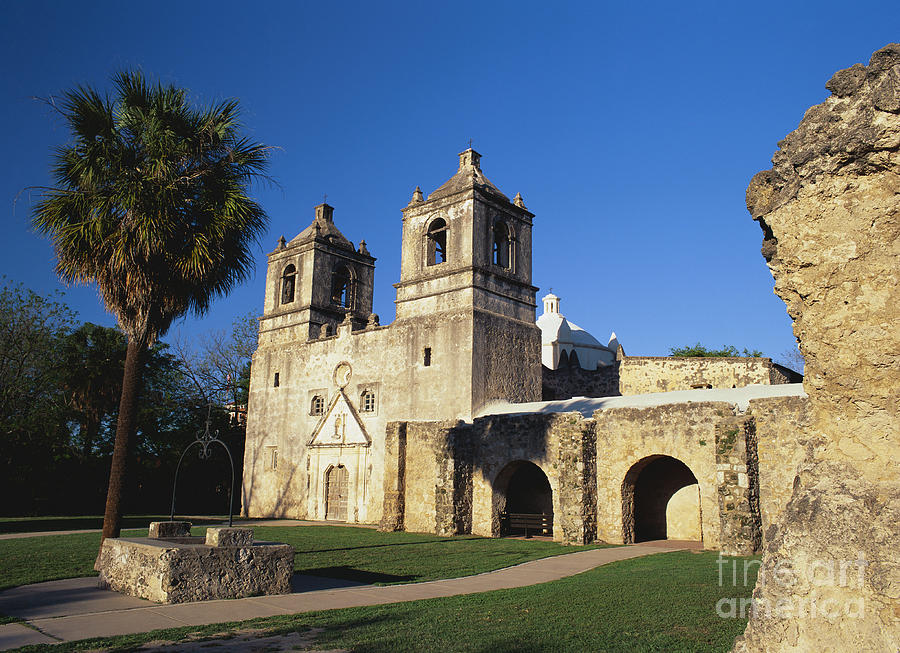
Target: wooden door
{"x": 336, "y": 493}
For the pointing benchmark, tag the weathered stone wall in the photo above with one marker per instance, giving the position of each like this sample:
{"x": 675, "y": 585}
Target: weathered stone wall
{"x": 830, "y": 213}
{"x": 683, "y": 514}
{"x": 455, "y": 474}
{"x": 572, "y": 381}
{"x": 452, "y": 477}
{"x": 191, "y": 570}
{"x": 506, "y": 360}
{"x": 782, "y": 436}
{"x": 426, "y": 449}
{"x": 737, "y": 479}
{"x": 428, "y": 477}
{"x": 561, "y": 445}
{"x": 394, "y": 509}
{"x": 642, "y": 374}
{"x": 628, "y": 436}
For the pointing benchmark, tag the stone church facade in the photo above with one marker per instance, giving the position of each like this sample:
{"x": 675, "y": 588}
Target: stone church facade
{"x": 436, "y": 422}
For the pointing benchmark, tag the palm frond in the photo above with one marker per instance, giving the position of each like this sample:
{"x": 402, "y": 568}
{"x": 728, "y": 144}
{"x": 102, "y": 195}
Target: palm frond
{"x": 151, "y": 201}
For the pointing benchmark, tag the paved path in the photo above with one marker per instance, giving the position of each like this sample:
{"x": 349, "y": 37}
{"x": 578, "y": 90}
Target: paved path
{"x": 74, "y": 609}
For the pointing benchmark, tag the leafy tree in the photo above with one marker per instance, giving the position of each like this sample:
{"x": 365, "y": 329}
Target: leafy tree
{"x": 218, "y": 364}
{"x": 31, "y": 330}
{"x": 150, "y": 203}
{"x": 699, "y": 351}
{"x": 32, "y": 406}
{"x": 92, "y": 361}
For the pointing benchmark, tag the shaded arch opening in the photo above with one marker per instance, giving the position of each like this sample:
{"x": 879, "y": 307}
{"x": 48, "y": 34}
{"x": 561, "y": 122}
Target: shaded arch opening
{"x": 573, "y": 360}
{"x": 288, "y": 283}
{"x": 660, "y": 500}
{"x": 523, "y": 500}
{"x": 500, "y": 254}
{"x": 342, "y": 286}
{"x": 437, "y": 242}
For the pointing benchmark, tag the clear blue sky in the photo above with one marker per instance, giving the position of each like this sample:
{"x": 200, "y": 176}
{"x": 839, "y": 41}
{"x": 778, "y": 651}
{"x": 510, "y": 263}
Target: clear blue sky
{"x": 631, "y": 130}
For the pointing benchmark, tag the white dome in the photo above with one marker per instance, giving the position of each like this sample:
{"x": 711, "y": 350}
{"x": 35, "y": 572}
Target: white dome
{"x": 559, "y": 335}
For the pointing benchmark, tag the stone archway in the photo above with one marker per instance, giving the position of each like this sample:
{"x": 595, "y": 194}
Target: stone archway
{"x": 660, "y": 500}
{"x": 523, "y": 500}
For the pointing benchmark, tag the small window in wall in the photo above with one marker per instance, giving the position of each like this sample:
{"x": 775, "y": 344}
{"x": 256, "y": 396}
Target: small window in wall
{"x": 271, "y": 458}
{"x": 342, "y": 287}
{"x": 427, "y": 356}
{"x": 288, "y": 279}
{"x": 367, "y": 401}
{"x": 437, "y": 242}
{"x": 317, "y": 405}
{"x": 277, "y": 381}
{"x": 501, "y": 245}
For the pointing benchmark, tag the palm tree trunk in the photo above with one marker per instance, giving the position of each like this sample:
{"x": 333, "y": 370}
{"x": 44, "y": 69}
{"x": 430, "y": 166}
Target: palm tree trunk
{"x": 126, "y": 425}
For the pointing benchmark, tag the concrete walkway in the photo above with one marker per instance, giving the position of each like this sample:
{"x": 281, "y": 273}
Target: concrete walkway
{"x": 69, "y": 610}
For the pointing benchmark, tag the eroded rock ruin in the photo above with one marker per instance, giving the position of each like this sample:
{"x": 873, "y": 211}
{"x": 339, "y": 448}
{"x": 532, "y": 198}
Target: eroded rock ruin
{"x": 830, "y": 213}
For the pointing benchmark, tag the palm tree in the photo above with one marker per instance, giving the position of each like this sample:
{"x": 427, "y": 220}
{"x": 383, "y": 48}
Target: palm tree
{"x": 150, "y": 203}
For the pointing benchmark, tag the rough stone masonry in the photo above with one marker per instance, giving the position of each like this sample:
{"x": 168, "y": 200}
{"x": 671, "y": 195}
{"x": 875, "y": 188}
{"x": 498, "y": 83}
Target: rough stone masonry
{"x": 170, "y": 566}
{"x": 830, "y": 213}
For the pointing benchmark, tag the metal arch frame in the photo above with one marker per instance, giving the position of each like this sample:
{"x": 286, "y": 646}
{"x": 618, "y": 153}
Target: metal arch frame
{"x": 206, "y": 439}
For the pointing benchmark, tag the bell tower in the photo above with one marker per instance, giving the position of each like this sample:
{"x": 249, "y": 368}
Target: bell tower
{"x": 317, "y": 281}
{"x": 465, "y": 281}
{"x": 467, "y": 245}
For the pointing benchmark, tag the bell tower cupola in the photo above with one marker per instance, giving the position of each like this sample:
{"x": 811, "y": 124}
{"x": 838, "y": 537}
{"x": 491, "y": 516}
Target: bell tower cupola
{"x": 466, "y": 246}
{"x": 318, "y": 280}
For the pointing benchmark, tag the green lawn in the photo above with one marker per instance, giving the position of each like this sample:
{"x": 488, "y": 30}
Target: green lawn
{"x": 361, "y": 554}
{"x": 664, "y": 602}
{"x": 365, "y": 555}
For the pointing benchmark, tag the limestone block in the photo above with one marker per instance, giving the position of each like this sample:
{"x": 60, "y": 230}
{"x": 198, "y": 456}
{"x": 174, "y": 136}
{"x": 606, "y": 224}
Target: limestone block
{"x": 170, "y": 572}
{"x": 169, "y": 529}
{"x": 229, "y": 536}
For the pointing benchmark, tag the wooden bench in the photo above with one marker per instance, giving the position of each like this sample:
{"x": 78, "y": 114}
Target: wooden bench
{"x": 531, "y": 523}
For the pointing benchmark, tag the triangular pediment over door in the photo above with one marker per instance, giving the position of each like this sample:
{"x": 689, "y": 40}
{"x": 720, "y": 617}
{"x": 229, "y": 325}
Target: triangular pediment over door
{"x": 340, "y": 426}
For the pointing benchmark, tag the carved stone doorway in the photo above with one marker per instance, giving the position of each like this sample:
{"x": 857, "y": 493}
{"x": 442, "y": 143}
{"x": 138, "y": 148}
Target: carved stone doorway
{"x": 336, "y": 493}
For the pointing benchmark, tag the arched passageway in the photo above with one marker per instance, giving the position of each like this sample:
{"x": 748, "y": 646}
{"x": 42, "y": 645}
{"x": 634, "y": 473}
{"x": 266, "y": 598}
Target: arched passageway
{"x": 660, "y": 500}
{"x": 523, "y": 500}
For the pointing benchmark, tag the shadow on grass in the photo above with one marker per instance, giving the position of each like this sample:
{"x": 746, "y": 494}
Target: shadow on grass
{"x": 387, "y": 544}
{"x": 358, "y": 575}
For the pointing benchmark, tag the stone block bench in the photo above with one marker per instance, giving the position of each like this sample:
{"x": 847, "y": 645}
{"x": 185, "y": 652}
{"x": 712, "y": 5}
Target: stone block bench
{"x": 171, "y": 566}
